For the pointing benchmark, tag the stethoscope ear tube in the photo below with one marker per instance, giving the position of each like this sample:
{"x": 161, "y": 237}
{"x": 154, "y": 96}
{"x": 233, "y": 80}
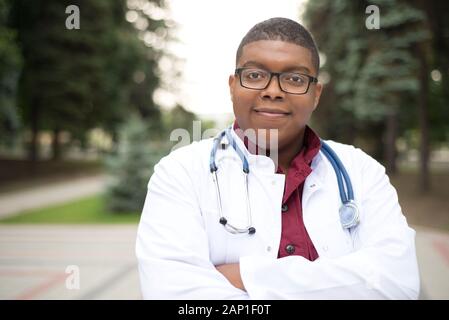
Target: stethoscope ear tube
{"x": 341, "y": 188}
{"x": 348, "y": 212}
{"x": 341, "y": 167}
{"x": 214, "y": 168}
{"x": 212, "y": 165}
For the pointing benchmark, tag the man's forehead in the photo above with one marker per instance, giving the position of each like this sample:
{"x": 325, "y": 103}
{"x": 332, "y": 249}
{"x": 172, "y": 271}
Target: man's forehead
{"x": 284, "y": 67}
{"x": 276, "y": 53}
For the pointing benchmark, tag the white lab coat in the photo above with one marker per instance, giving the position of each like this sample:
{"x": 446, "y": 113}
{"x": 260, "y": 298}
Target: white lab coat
{"x": 180, "y": 240}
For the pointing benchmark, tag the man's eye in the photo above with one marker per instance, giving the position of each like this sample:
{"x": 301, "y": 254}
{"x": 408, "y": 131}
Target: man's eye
{"x": 296, "y": 79}
{"x": 255, "y": 75}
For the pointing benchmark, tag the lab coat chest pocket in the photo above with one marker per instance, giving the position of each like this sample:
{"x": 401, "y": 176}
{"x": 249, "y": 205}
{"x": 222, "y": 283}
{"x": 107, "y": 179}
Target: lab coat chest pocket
{"x": 226, "y": 247}
{"x": 265, "y": 195}
{"x": 239, "y": 245}
{"x": 324, "y": 227}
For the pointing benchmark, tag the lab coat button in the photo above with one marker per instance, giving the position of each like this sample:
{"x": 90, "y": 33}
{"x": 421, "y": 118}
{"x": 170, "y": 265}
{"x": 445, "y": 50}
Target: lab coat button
{"x": 290, "y": 249}
{"x": 284, "y": 208}
{"x": 268, "y": 248}
{"x": 325, "y": 248}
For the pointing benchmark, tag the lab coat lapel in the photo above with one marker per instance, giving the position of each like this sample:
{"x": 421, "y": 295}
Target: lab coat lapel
{"x": 316, "y": 178}
{"x": 321, "y": 203}
{"x": 265, "y": 191}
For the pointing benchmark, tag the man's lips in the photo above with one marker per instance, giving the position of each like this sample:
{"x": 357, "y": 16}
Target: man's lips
{"x": 271, "y": 112}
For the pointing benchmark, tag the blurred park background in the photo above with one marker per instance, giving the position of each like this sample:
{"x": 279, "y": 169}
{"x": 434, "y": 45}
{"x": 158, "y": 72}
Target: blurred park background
{"x": 91, "y": 91}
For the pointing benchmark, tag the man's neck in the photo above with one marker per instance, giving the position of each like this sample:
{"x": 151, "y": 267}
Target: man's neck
{"x": 285, "y": 154}
{"x": 289, "y": 152}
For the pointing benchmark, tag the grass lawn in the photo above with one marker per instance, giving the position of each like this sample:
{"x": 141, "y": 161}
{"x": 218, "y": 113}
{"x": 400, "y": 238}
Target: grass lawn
{"x": 84, "y": 211}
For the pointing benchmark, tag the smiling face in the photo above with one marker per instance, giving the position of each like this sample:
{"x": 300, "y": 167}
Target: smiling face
{"x": 271, "y": 108}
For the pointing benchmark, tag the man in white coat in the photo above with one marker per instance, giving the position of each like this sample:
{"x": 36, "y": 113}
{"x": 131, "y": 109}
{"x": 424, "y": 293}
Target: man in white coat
{"x": 300, "y": 249}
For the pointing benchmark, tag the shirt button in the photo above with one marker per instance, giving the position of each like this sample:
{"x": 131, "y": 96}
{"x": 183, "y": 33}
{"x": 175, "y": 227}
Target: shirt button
{"x": 290, "y": 249}
{"x": 284, "y": 208}
{"x": 268, "y": 248}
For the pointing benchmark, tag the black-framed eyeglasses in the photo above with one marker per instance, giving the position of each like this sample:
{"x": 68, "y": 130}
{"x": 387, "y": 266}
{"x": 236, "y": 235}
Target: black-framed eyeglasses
{"x": 289, "y": 82}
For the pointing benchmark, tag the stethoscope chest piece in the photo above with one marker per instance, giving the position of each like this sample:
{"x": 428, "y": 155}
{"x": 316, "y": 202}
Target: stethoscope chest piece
{"x": 349, "y": 215}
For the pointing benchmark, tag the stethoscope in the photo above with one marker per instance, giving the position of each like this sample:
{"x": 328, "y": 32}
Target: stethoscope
{"x": 349, "y": 212}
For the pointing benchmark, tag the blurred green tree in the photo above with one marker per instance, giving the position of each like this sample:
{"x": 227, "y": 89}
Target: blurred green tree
{"x": 179, "y": 117}
{"x": 433, "y": 59}
{"x": 75, "y": 80}
{"x": 376, "y": 86}
{"x": 10, "y": 61}
{"x": 131, "y": 165}
{"x": 370, "y": 70}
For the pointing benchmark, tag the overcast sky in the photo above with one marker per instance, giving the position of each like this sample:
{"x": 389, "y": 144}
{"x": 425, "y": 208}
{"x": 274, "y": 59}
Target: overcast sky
{"x": 209, "y": 34}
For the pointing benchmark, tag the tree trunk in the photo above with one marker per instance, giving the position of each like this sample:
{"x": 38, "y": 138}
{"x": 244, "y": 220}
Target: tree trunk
{"x": 56, "y": 144}
{"x": 423, "y": 113}
{"x": 34, "y": 144}
{"x": 390, "y": 151}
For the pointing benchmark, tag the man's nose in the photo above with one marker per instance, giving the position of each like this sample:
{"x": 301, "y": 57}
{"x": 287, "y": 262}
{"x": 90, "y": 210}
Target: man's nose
{"x": 273, "y": 90}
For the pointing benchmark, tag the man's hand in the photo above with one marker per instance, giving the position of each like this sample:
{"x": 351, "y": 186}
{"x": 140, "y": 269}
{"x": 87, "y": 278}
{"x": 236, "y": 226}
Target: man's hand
{"x": 232, "y": 272}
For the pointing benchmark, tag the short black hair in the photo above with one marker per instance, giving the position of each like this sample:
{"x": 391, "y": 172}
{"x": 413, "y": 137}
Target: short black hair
{"x": 281, "y": 29}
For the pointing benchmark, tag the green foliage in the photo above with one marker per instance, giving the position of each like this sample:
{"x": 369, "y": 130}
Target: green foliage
{"x": 132, "y": 165}
{"x": 369, "y": 68}
{"x": 373, "y": 73}
{"x": 439, "y": 114}
{"x": 178, "y": 117}
{"x": 63, "y": 76}
{"x": 76, "y": 80}
{"x": 10, "y": 61}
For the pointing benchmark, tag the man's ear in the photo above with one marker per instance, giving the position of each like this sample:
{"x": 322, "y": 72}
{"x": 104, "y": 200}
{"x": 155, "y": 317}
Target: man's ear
{"x": 231, "y": 81}
{"x": 318, "y": 90}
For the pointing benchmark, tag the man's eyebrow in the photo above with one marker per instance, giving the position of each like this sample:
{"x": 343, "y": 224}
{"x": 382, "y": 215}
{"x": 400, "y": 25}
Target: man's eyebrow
{"x": 253, "y": 64}
{"x": 299, "y": 68}
{"x": 288, "y": 69}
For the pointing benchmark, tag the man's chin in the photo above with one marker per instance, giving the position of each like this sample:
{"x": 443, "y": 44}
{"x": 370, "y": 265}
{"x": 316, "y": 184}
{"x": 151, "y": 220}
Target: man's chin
{"x": 265, "y": 138}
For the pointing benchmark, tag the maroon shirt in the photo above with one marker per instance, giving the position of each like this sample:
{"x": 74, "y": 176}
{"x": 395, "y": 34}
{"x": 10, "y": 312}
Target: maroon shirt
{"x": 294, "y": 237}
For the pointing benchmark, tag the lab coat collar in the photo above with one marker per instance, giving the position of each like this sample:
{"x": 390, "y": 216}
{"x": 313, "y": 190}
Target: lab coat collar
{"x": 319, "y": 170}
{"x": 262, "y": 162}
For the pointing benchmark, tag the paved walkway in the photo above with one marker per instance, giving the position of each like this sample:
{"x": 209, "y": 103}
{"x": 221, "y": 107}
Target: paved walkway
{"x": 12, "y": 203}
{"x": 432, "y": 248}
{"x": 42, "y": 262}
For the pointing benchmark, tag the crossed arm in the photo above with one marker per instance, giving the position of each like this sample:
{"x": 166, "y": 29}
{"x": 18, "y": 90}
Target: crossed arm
{"x": 232, "y": 272}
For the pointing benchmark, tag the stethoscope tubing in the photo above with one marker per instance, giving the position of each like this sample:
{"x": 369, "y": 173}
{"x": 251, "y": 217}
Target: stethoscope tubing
{"x": 344, "y": 184}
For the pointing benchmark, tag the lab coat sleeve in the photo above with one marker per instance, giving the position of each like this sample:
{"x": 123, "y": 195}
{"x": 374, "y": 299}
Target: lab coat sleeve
{"x": 383, "y": 266}
{"x": 172, "y": 245}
